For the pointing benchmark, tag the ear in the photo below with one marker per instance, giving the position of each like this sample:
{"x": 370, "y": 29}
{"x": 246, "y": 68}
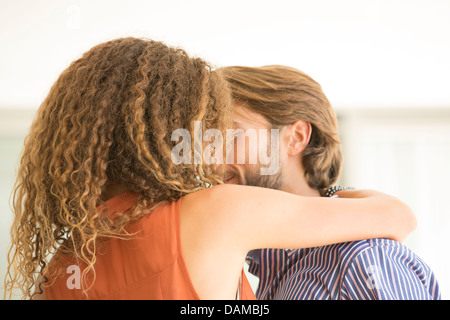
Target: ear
{"x": 299, "y": 136}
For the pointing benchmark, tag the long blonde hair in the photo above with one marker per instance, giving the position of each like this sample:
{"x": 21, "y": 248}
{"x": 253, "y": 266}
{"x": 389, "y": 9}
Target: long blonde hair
{"x": 108, "y": 119}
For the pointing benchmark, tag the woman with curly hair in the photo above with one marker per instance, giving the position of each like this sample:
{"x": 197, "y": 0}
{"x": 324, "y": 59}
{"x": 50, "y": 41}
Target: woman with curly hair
{"x": 102, "y": 212}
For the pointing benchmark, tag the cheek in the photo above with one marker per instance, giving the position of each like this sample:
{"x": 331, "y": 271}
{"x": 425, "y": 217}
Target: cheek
{"x": 250, "y": 152}
{"x": 246, "y": 148}
{"x": 284, "y": 150}
{"x": 283, "y": 142}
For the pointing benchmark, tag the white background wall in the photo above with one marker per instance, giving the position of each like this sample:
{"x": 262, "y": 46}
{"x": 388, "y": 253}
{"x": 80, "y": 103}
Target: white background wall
{"x": 383, "y": 64}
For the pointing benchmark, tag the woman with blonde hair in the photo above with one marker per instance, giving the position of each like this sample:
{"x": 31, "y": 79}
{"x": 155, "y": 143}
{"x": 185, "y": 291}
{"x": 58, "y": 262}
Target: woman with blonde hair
{"x": 102, "y": 212}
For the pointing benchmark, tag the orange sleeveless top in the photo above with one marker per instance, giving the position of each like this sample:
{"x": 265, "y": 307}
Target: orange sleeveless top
{"x": 150, "y": 265}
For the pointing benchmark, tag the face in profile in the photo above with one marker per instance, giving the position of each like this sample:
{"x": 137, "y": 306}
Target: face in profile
{"x": 249, "y": 128}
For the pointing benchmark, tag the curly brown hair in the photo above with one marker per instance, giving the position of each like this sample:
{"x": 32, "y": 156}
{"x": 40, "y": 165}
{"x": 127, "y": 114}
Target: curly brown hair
{"x": 108, "y": 119}
{"x": 284, "y": 95}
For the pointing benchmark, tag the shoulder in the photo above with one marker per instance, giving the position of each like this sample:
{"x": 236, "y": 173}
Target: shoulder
{"x": 392, "y": 258}
{"x": 399, "y": 255}
{"x": 345, "y": 252}
{"x": 219, "y": 194}
{"x": 396, "y": 252}
{"x": 227, "y": 192}
{"x": 212, "y": 200}
{"x": 378, "y": 249}
{"x": 226, "y": 199}
{"x": 388, "y": 269}
{"x": 371, "y": 252}
{"x": 209, "y": 212}
{"x": 354, "y": 248}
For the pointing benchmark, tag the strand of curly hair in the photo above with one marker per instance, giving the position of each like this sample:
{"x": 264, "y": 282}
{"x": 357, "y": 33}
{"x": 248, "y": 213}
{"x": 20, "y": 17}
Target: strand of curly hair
{"x": 107, "y": 119}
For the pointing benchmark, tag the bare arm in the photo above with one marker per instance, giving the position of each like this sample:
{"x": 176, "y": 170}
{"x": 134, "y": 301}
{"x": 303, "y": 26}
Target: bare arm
{"x": 221, "y": 224}
{"x": 260, "y": 217}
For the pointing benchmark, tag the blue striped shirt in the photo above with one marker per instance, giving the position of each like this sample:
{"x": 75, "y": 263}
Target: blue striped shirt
{"x": 374, "y": 269}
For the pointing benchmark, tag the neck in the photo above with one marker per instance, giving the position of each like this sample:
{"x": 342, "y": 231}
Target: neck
{"x": 301, "y": 188}
{"x": 294, "y": 181}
